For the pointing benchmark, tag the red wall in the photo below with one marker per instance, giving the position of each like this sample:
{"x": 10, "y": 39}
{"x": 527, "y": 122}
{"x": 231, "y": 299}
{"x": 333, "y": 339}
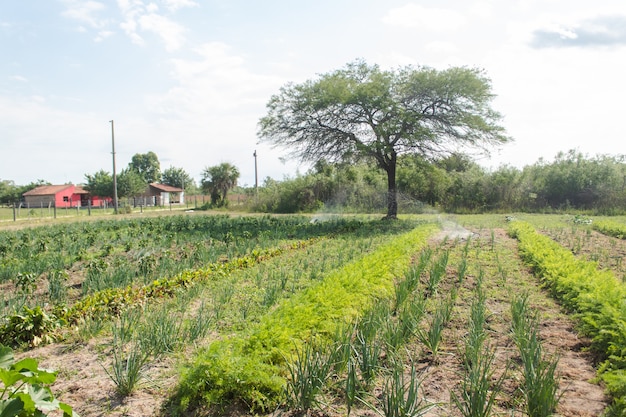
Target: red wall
{"x": 59, "y": 198}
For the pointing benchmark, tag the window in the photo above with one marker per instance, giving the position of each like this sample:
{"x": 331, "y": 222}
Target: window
{"x": 66, "y": 198}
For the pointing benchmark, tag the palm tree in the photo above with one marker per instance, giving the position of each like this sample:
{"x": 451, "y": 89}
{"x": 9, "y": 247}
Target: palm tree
{"x": 217, "y": 180}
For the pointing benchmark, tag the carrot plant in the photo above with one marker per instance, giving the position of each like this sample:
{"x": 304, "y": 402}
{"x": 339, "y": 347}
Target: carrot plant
{"x": 610, "y": 228}
{"x": 313, "y": 314}
{"x": 595, "y": 295}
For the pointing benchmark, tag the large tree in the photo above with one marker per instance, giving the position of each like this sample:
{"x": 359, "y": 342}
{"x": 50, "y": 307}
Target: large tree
{"x": 178, "y": 177}
{"x": 130, "y": 184}
{"x": 361, "y": 111}
{"x": 147, "y": 165}
{"x": 217, "y": 180}
{"x": 99, "y": 184}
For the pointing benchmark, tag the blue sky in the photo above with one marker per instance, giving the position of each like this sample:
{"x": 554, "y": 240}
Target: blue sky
{"x": 189, "y": 79}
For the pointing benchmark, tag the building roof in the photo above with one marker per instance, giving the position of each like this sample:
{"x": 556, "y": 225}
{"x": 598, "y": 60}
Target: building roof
{"x": 166, "y": 188}
{"x": 47, "y": 190}
{"x": 80, "y": 190}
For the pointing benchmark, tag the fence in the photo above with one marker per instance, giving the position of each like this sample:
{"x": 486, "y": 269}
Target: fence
{"x": 24, "y": 212}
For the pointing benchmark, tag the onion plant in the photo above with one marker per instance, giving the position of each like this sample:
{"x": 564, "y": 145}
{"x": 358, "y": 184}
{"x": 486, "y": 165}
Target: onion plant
{"x": 540, "y": 385}
{"x": 401, "y": 395}
{"x": 308, "y": 374}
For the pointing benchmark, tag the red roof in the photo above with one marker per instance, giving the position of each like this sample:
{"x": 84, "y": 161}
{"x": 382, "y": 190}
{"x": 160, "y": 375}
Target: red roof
{"x": 47, "y": 190}
{"x": 166, "y": 188}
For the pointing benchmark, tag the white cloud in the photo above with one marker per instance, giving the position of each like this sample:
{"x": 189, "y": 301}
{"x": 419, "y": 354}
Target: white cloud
{"x": 141, "y": 17}
{"x": 174, "y": 5}
{"x": 86, "y": 12}
{"x": 415, "y": 16}
{"x": 103, "y": 34}
{"x": 19, "y": 78}
{"x": 169, "y": 31}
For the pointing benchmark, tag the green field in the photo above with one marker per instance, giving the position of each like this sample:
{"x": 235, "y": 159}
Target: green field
{"x": 217, "y": 314}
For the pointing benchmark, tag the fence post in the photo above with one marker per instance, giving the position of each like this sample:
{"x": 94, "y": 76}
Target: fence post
{"x": 14, "y": 218}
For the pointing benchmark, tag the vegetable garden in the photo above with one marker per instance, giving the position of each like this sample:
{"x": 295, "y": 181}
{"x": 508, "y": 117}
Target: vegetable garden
{"x": 292, "y": 315}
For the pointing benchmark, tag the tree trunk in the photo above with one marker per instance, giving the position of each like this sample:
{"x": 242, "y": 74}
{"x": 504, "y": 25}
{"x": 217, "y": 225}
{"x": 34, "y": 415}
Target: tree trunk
{"x": 392, "y": 191}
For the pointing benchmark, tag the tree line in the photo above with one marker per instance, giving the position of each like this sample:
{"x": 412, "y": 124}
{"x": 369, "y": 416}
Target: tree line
{"x": 455, "y": 184}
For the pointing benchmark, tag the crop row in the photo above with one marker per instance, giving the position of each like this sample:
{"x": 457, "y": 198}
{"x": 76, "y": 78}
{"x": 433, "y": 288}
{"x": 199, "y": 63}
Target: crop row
{"x": 596, "y": 296}
{"x": 252, "y": 367}
{"x": 56, "y": 267}
{"x": 611, "y": 228}
{"x": 32, "y": 325}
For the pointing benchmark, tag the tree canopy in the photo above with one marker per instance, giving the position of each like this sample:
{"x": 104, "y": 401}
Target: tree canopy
{"x": 361, "y": 111}
{"x": 178, "y": 177}
{"x": 130, "y": 183}
{"x": 217, "y": 180}
{"x": 147, "y": 165}
{"x": 99, "y": 184}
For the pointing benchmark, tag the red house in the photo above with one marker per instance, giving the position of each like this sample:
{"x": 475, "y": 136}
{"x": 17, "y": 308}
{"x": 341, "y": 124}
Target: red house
{"x": 67, "y": 195}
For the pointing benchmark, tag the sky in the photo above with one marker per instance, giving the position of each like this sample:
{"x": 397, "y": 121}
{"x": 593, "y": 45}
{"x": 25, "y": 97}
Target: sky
{"x": 190, "y": 79}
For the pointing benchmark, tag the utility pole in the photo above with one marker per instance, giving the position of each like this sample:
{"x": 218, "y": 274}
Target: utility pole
{"x": 256, "y": 176}
{"x": 114, "y": 173}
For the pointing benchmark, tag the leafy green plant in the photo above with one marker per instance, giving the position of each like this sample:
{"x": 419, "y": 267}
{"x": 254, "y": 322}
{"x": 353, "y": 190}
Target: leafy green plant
{"x": 32, "y": 326}
{"x": 333, "y": 302}
{"x": 26, "y": 388}
{"x": 26, "y": 282}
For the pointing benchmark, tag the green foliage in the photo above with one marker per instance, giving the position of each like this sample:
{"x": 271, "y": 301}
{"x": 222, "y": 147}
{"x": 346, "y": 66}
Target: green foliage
{"x": 147, "y": 166}
{"x": 25, "y": 388}
{"x": 540, "y": 385}
{"x": 308, "y": 374}
{"x": 401, "y": 397}
{"x": 130, "y": 183}
{"x": 99, "y": 184}
{"x": 595, "y": 295}
{"x": 478, "y": 391}
{"x": 218, "y": 180}
{"x": 178, "y": 177}
{"x": 128, "y": 366}
{"x": 363, "y": 112}
{"x": 315, "y": 314}
{"x": 610, "y": 228}
{"x": 31, "y": 326}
